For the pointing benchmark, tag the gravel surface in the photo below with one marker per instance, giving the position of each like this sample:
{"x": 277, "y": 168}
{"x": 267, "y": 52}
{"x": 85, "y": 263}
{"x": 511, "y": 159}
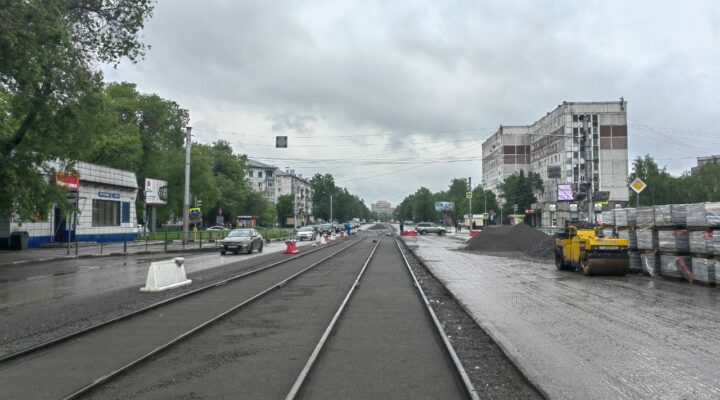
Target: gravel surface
{"x": 505, "y": 238}
{"x": 491, "y": 372}
{"x": 38, "y": 322}
{"x": 543, "y": 249}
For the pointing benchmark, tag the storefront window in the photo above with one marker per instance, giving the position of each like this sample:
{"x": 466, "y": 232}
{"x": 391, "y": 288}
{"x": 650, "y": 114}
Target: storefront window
{"x": 105, "y": 213}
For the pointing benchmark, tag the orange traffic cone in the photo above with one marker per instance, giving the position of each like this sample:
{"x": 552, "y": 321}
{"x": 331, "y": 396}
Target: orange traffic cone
{"x": 291, "y": 248}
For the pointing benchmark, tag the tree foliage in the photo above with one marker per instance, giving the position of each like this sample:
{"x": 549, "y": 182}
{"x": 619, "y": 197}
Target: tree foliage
{"x": 50, "y": 84}
{"x": 698, "y": 185}
{"x": 518, "y": 191}
{"x": 345, "y": 206}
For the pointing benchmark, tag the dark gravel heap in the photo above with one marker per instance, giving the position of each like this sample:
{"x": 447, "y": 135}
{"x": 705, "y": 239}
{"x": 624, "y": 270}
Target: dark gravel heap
{"x": 378, "y": 227}
{"x": 505, "y": 239}
{"x": 544, "y": 249}
{"x": 491, "y": 372}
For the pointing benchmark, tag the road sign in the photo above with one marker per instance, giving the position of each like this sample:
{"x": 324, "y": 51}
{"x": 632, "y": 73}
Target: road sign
{"x": 468, "y": 195}
{"x": 638, "y": 185}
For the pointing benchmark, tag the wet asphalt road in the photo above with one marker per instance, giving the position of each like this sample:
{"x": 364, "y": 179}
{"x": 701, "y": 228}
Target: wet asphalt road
{"x": 72, "y": 364}
{"x": 592, "y": 338}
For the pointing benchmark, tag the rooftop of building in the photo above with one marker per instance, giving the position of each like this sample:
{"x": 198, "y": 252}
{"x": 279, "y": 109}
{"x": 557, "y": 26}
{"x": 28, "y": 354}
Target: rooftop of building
{"x": 258, "y": 164}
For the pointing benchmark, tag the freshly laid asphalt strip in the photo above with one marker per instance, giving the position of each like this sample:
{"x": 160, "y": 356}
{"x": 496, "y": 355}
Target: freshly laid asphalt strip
{"x": 385, "y": 345}
{"x": 70, "y": 365}
{"x": 257, "y": 352}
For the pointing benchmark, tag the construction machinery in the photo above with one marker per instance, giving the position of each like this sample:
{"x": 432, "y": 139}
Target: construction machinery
{"x": 583, "y": 246}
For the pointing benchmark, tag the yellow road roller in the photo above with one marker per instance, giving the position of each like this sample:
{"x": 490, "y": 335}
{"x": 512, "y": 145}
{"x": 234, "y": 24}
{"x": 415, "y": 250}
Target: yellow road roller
{"x": 582, "y": 246}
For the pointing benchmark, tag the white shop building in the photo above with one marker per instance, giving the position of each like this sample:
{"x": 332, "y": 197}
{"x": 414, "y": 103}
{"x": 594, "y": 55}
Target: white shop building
{"x": 106, "y": 211}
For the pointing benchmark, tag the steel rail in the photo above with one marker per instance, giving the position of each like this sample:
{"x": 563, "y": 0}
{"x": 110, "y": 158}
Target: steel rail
{"x": 469, "y": 387}
{"x": 321, "y": 344}
{"x": 37, "y": 347}
{"x": 105, "y": 378}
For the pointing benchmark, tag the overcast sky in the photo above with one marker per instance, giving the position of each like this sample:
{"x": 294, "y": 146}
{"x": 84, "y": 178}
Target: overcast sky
{"x": 383, "y": 84}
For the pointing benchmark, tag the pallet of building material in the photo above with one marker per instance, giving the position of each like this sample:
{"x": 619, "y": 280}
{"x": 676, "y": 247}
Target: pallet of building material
{"x": 608, "y": 232}
{"x": 635, "y": 262}
{"x": 716, "y": 242}
{"x": 674, "y": 241}
{"x": 645, "y": 217}
{"x": 631, "y": 214}
{"x": 663, "y": 215}
{"x": 704, "y": 270}
{"x": 621, "y": 217}
{"x": 703, "y": 215}
{"x": 701, "y": 242}
{"x": 647, "y": 239}
{"x": 630, "y": 235}
{"x": 608, "y": 217}
{"x": 676, "y": 266}
{"x": 650, "y": 263}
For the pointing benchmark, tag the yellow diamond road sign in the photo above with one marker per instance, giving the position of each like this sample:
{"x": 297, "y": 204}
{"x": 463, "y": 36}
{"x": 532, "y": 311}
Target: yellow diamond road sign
{"x": 638, "y": 185}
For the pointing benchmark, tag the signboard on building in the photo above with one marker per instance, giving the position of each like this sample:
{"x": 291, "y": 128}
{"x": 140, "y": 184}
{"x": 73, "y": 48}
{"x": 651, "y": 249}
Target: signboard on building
{"x": 564, "y": 192}
{"x": 109, "y": 195}
{"x": 156, "y": 192}
{"x": 443, "y": 206}
{"x": 72, "y": 182}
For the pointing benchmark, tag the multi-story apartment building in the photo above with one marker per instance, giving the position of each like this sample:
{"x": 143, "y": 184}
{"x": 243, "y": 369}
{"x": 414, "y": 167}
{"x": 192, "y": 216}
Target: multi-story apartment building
{"x": 289, "y": 183}
{"x": 555, "y": 153}
{"x": 261, "y": 177}
{"x": 382, "y": 207}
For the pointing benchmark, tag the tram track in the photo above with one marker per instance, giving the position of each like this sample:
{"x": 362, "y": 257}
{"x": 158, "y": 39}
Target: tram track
{"x": 65, "y": 356}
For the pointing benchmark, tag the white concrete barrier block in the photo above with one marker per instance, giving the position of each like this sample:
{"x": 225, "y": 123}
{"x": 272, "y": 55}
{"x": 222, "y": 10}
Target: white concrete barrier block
{"x": 164, "y": 275}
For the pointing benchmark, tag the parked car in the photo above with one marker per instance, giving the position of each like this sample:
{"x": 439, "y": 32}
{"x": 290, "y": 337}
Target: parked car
{"x": 306, "y": 232}
{"x": 242, "y": 240}
{"x": 424, "y": 228}
{"x": 218, "y": 228}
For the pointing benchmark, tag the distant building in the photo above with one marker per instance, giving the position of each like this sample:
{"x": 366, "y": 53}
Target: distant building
{"x": 704, "y": 161}
{"x": 382, "y": 207}
{"x": 551, "y": 148}
{"x": 261, "y": 178}
{"x": 290, "y": 183}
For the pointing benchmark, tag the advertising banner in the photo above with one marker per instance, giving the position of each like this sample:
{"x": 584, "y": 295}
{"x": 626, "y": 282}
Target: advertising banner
{"x": 444, "y": 206}
{"x": 72, "y": 182}
{"x": 156, "y": 192}
{"x": 565, "y": 192}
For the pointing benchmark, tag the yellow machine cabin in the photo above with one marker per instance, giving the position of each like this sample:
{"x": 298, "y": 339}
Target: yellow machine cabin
{"x": 583, "y": 246}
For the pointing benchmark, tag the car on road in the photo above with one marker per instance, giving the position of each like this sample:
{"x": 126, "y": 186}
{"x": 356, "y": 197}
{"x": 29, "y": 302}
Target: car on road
{"x": 326, "y": 229}
{"x": 218, "y": 228}
{"x": 242, "y": 240}
{"x": 424, "y": 228}
{"x": 306, "y": 232}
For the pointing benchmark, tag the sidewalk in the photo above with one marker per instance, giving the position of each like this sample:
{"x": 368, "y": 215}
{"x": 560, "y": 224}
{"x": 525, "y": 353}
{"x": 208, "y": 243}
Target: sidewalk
{"x": 88, "y": 250}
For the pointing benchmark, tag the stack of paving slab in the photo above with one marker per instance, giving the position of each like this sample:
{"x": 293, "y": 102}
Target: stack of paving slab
{"x": 679, "y": 241}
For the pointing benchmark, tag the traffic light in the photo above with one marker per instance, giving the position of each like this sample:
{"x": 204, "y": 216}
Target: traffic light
{"x": 581, "y": 193}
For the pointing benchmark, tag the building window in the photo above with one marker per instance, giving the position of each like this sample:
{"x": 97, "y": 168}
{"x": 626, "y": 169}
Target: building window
{"x": 250, "y": 174}
{"x": 125, "y": 212}
{"x": 259, "y": 185}
{"x": 259, "y": 174}
{"x": 105, "y": 213}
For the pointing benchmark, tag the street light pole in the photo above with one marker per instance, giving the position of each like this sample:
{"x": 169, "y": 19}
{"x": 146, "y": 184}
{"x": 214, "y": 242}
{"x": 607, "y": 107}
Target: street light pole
{"x": 186, "y": 202}
{"x": 330, "y": 209}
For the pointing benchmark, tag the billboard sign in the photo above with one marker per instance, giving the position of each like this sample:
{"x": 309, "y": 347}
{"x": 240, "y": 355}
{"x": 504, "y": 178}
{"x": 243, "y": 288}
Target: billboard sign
{"x": 564, "y": 192}
{"x": 156, "y": 192}
{"x": 554, "y": 171}
{"x": 71, "y": 182}
{"x": 444, "y": 206}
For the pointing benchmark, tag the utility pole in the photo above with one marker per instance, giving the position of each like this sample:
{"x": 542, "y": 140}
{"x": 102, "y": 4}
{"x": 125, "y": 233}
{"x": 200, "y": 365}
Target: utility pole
{"x": 330, "y": 208}
{"x": 186, "y": 202}
{"x": 292, "y": 189}
{"x": 588, "y": 169}
{"x": 470, "y": 203}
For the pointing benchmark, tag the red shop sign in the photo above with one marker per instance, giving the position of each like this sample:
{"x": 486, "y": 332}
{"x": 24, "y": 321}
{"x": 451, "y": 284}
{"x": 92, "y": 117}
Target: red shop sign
{"x": 72, "y": 182}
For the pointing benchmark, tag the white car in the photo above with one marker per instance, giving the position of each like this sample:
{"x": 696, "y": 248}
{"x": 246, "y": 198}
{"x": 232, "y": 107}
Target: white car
{"x": 306, "y": 232}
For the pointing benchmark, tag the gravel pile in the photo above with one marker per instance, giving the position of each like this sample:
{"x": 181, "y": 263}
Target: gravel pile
{"x": 505, "y": 239}
{"x": 378, "y": 227}
{"x": 544, "y": 249}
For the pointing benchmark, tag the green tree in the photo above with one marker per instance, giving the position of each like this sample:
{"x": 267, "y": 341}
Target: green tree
{"x": 518, "y": 191}
{"x": 284, "y": 207}
{"x": 49, "y": 52}
{"x": 662, "y": 188}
